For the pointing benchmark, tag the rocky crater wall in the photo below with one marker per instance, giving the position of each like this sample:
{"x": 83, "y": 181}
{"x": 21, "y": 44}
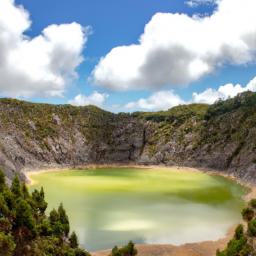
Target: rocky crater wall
{"x": 221, "y": 136}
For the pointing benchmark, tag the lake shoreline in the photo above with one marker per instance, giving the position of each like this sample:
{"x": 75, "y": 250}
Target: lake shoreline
{"x": 251, "y": 187}
{"x": 204, "y": 248}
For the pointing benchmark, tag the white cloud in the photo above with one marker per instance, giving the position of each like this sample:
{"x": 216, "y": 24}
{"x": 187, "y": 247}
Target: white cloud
{"x": 176, "y": 49}
{"x": 223, "y": 92}
{"x": 208, "y": 96}
{"x": 161, "y": 100}
{"x": 96, "y": 98}
{"x": 164, "y": 100}
{"x": 39, "y": 66}
{"x": 195, "y": 3}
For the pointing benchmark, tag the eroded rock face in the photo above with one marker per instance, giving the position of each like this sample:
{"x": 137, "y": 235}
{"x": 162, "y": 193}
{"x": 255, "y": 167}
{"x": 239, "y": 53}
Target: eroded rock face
{"x": 222, "y": 136}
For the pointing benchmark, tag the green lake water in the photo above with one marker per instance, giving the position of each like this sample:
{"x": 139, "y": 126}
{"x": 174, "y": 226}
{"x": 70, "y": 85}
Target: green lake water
{"x": 110, "y": 206}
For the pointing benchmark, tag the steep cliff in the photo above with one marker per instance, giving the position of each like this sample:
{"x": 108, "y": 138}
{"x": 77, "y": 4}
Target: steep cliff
{"x": 221, "y": 136}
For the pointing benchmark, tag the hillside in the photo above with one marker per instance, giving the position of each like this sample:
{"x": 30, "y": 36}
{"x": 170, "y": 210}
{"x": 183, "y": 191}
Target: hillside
{"x": 221, "y": 136}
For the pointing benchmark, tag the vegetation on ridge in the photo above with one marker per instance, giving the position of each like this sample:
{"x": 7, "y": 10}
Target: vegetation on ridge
{"x": 220, "y": 136}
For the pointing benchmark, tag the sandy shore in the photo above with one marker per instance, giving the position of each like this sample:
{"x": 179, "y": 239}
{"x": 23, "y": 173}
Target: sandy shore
{"x": 30, "y": 180}
{"x": 206, "y": 248}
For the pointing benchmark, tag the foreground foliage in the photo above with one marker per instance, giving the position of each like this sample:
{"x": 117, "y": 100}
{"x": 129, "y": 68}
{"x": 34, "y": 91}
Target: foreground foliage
{"x": 25, "y": 229}
{"x": 243, "y": 242}
{"x": 128, "y": 250}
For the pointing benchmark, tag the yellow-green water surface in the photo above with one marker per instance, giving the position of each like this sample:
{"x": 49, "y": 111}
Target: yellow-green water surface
{"x": 110, "y": 206}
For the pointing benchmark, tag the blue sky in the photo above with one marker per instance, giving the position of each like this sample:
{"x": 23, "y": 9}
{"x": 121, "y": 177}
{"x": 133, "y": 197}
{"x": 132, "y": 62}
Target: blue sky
{"x": 116, "y": 23}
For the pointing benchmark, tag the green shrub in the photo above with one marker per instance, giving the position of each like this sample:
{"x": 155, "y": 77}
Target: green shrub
{"x": 7, "y": 244}
{"x": 253, "y": 203}
{"x": 73, "y": 240}
{"x": 247, "y": 214}
{"x": 25, "y": 229}
{"x": 239, "y": 232}
{"x": 128, "y": 250}
{"x": 252, "y": 227}
{"x": 242, "y": 243}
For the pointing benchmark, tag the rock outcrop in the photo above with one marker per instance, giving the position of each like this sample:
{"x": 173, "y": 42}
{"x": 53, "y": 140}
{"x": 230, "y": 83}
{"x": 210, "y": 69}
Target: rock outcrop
{"x": 221, "y": 136}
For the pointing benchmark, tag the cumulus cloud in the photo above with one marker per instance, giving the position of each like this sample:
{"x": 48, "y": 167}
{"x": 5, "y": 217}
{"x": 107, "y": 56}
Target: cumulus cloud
{"x": 223, "y": 92}
{"x": 161, "y": 100}
{"x": 195, "y": 3}
{"x": 39, "y": 66}
{"x": 96, "y": 98}
{"x": 164, "y": 100}
{"x": 176, "y": 49}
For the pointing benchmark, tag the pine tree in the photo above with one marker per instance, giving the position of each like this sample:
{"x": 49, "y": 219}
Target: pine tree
{"x": 15, "y": 187}
{"x": 42, "y": 192}
{"x": 24, "y": 230}
{"x": 24, "y": 217}
{"x": 7, "y": 245}
{"x": 62, "y": 214}
{"x": 2, "y": 181}
{"x": 64, "y": 219}
{"x": 73, "y": 240}
{"x": 54, "y": 216}
{"x": 39, "y": 203}
{"x": 116, "y": 252}
{"x": 4, "y": 210}
{"x": 129, "y": 249}
{"x": 24, "y": 191}
{"x": 43, "y": 204}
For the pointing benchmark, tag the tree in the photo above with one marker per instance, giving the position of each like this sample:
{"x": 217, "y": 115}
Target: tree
{"x": 42, "y": 192}
{"x": 128, "y": 250}
{"x": 15, "y": 187}
{"x": 81, "y": 252}
{"x": 236, "y": 246}
{"x": 24, "y": 217}
{"x": 247, "y": 214}
{"x": 4, "y": 210}
{"x": 243, "y": 242}
{"x": 7, "y": 245}
{"x": 253, "y": 203}
{"x": 38, "y": 199}
{"x": 5, "y": 225}
{"x": 73, "y": 240}
{"x": 2, "y": 181}
{"x": 57, "y": 227}
{"x": 9, "y": 199}
{"x": 252, "y": 227}
{"x": 116, "y": 252}
{"x": 64, "y": 219}
{"x": 26, "y": 230}
{"x": 54, "y": 216}
{"x": 24, "y": 191}
{"x": 44, "y": 228}
{"x": 239, "y": 232}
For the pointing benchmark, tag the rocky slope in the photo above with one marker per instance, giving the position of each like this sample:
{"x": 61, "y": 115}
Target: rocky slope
{"x": 221, "y": 136}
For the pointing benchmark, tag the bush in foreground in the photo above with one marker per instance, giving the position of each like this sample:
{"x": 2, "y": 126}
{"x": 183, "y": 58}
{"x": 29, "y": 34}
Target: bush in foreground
{"x": 128, "y": 250}
{"x": 25, "y": 229}
{"x": 242, "y": 243}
